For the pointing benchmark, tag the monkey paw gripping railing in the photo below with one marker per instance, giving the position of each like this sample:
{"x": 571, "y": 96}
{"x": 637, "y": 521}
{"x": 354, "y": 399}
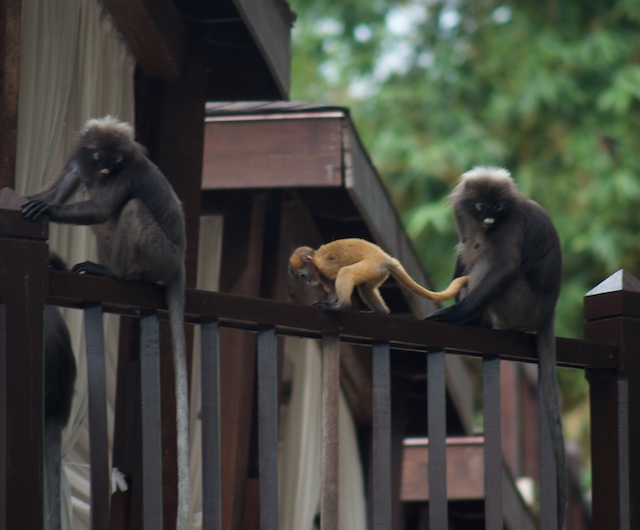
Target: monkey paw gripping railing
{"x": 609, "y": 357}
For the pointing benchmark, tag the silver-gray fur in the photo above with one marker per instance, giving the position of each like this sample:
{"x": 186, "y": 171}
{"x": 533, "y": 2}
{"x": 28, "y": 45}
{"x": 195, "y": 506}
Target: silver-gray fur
{"x": 511, "y": 251}
{"x": 140, "y": 231}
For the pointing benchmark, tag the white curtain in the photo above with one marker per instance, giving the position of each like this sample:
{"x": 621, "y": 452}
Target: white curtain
{"x": 73, "y": 66}
{"x": 300, "y": 455}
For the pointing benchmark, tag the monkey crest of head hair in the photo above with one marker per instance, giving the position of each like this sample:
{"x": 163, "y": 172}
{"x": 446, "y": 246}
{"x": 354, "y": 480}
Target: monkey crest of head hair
{"x": 487, "y": 171}
{"x": 111, "y": 125}
{"x": 493, "y": 180}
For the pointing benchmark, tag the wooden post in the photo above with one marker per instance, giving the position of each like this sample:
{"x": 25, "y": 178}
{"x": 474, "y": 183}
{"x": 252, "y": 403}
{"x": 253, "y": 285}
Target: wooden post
{"x": 10, "y": 19}
{"x": 612, "y": 311}
{"x": 23, "y": 290}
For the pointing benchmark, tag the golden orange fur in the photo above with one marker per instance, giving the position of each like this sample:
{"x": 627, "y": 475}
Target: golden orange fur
{"x": 345, "y": 264}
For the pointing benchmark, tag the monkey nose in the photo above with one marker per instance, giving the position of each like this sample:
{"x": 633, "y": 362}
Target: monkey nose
{"x": 104, "y": 171}
{"x": 488, "y": 221}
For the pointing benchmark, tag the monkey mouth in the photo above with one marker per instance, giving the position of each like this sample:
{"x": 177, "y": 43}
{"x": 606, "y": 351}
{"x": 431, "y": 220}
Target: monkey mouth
{"x": 488, "y": 221}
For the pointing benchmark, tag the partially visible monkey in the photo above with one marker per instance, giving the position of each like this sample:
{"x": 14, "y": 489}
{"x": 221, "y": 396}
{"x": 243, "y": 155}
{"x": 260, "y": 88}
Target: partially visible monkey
{"x": 511, "y": 252}
{"x": 59, "y": 381}
{"x": 343, "y": 264}
{"x": 140, "y": 232}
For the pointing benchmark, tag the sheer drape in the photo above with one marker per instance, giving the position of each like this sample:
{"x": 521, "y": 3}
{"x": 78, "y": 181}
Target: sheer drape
{"x": 73, "y": 66}
{"x": 300, "y": 455}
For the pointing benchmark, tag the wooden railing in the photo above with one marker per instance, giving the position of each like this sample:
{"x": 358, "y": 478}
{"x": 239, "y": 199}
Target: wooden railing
{"x": 609, "y": 357}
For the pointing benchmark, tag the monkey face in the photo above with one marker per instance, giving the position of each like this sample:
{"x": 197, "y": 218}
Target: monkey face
{"x": 106, "y": 162}
{"x": 488, "y": 212}
{"x": 304, "y": 275}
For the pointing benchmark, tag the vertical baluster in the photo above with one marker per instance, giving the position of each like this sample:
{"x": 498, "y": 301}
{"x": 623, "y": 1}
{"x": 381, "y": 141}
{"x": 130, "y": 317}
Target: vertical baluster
{"x": 267, "y": 366}
{"x": 3, "y": 423}
{"x": 151, "y": 422}
{"x": 381, "y": 509}
{"x": 210, "y": 412}
{"x": 437, "y": 428}
{"x": 98, "y": 434}
{"x": 492, "y": 442}
{"x": 329, "y": 504}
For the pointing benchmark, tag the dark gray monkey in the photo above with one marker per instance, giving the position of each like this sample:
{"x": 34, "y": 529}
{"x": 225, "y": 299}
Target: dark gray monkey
{"x": 511, "y": 251}
{"x": 140, "y": 232}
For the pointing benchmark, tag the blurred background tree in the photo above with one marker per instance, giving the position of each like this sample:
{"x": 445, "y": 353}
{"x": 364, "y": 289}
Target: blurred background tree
{"x": 549, "y": 90}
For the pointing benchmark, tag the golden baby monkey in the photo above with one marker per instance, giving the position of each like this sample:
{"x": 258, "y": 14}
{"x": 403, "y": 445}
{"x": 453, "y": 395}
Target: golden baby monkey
{"x": 343, "y": 264}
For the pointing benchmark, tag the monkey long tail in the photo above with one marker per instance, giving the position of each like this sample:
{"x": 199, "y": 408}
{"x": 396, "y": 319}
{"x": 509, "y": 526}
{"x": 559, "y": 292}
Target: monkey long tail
{"x": 550, "y": 394}
{"x": 53, "y": 457}
{"x": 175, "y": 302}
{"x": 398, "y": 272}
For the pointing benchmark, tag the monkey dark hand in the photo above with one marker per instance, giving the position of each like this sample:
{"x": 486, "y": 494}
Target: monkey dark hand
{"x": 458, "y": 314}
{"x": 35, "y": 208}
{"x": 89, "y": 267}
{"x": 451, "y": 315}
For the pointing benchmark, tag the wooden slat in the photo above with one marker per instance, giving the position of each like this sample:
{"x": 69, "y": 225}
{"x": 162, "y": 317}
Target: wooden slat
{"x": 270, "y": 23}
{"x": 437, "y": 431}
{"x": 272, "y": 153}
{"x": 10, "y": 19}
{"x": 267, "y": 369}
{"x": 465, "y": 479}
{"x": 151, "y": 423}
{"x": 72, "y": 290}
{"x": 381, "y": 479}
{"x": 329, "y": 504}
{"x": 98, "y": 434}
{"x": 210, "y": 413}
{"x": 493, "y": 467}
{"x": 3, "y": 399}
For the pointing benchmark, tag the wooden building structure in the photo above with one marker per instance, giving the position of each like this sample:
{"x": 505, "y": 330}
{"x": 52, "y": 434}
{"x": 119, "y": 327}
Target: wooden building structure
{"x": 278, "y": 174}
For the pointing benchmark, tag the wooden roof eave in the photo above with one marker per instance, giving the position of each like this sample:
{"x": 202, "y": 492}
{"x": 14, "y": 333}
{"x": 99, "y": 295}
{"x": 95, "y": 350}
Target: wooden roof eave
{"x": 250, "y": 41}
{"x": 269, "y": 22}
{"x": 154, "y": 33}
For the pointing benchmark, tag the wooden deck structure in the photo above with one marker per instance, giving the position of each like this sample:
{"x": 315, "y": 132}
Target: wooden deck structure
{"x": 279, "y": 174}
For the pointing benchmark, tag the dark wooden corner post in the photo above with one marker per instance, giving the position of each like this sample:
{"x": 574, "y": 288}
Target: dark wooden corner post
{"x": 23, "y": 291}
{"x": 612, "y": 312}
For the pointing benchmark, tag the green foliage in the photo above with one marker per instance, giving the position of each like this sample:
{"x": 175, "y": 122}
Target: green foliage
{"x": 550, "y": 90}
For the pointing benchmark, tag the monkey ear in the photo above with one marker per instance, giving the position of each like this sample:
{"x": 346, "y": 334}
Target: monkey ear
{"x": 306, "y": 257}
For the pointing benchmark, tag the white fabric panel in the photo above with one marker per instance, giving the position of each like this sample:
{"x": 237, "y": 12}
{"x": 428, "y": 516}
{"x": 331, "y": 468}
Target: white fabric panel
{"x": 73, "y": 67}
{"x": 300, "y": 455}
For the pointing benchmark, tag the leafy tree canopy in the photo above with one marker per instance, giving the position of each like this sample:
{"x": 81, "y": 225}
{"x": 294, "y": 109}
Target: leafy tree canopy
{"x": 549, "y": 90}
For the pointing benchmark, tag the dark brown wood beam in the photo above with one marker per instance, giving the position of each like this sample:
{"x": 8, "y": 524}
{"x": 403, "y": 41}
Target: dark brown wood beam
{"x": 243, "y": 243}
{"x": 154, "y": 33}
{"x": 23, "y": 286}
{"x": 10, "y": 17}
{"x": 170, "y": 123}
